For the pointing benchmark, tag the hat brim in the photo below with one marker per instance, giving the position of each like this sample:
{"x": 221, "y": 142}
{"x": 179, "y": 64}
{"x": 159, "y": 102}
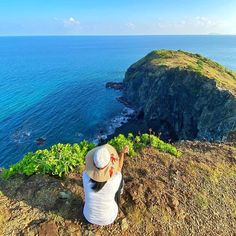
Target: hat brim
{"x": 101, "y": 175}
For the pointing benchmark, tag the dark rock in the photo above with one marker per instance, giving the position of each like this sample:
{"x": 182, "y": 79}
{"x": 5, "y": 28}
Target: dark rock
{"x": 65, "y": 195}
{"x": 35, "y": 223}
{"x": 115, "y": 85}
{"x": 101, "y": 131}
{"x": 40, "y": 141}
{"x": 124, "y": 101}
{"x": 140, "y": 114}
{"x": 231, "y": 136}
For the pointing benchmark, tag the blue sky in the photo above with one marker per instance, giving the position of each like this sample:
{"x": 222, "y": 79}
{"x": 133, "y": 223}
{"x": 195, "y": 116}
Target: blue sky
{"x": 117, "y": 17}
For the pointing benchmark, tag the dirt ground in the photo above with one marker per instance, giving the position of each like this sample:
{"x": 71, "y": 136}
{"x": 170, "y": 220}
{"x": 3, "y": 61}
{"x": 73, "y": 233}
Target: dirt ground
{"x": 163, "y": 195}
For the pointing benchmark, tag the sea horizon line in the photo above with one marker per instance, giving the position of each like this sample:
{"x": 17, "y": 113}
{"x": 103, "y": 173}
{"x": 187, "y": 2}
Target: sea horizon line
{"x": 115, "y": 35}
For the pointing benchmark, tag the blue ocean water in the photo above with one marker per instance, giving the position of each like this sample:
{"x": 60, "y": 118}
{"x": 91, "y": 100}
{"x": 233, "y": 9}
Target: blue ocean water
{"x": 54, "y": 87}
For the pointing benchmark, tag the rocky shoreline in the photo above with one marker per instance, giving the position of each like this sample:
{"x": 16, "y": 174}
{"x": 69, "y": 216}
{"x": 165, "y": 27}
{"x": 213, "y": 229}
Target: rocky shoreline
{"x": 130, "y": 120}
{"x": 182, "y": 96}
{"x": 110, "y": 127}
{"x": 115, "y": 85}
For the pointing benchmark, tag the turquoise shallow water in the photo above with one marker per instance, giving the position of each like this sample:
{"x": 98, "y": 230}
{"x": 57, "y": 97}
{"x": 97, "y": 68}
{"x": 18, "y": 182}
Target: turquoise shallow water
{"x": 53, "y": 87}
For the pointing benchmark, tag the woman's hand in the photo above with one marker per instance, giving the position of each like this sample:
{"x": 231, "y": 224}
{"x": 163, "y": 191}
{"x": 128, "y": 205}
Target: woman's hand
{"x": 125, "y": 150}
{"x": 122, "y": 155}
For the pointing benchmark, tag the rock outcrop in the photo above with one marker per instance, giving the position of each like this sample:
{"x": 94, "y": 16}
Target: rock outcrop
{"x": 183, "y": 95}
{"x": 115, "y": 85}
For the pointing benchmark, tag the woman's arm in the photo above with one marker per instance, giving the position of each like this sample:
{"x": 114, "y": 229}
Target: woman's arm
{"x": 122, "y": 155}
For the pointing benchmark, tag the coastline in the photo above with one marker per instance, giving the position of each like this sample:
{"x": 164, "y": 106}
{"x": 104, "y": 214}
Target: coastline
{"x": 58, "y": 111}
{"x": 132, "y": 126}
{"x": 124, "y": 123}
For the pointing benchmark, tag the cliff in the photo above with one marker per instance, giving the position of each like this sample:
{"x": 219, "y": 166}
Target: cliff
{"x": 183, "y": 95}
{"x": 190, "y": 195}
{"x": 185, "y": 189}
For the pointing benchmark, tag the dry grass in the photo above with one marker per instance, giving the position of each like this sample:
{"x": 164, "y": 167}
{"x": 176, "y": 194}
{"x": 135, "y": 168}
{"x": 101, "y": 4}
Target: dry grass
{"x": 225, "y": 78}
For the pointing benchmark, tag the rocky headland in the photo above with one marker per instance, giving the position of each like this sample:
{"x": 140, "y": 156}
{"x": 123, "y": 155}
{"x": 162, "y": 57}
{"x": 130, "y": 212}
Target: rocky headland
{"x": 183, "y": 95}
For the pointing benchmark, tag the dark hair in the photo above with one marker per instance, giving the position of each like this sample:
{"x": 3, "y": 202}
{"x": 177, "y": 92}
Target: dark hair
{"x": 97, "y": 185}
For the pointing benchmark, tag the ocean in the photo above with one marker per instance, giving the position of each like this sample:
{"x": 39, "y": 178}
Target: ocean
{"x": 54, "y": 87}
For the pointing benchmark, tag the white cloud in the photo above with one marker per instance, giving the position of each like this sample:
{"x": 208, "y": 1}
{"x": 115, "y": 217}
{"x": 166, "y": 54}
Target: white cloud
{"x": 131, "y": 25}
{"x": 71, "y": 22}
{"x": 203, "y": 21}
{"x": 192, "y": 25}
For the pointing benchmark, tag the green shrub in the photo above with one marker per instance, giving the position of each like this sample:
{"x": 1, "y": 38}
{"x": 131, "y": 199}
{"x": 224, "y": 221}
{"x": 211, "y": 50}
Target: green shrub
{"x": 140, "y": 141}
{"x": 58, "y": 160}
{"x": 121, "y": 141}
{"x": 63, "y": 158}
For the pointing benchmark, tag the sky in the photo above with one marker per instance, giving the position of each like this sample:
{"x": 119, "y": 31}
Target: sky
{"x": 117, "y": 17}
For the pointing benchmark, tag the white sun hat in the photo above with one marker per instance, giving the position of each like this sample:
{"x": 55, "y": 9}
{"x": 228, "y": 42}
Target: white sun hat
{"x": 102, "y": 162}
{"x": 101, "y": 157}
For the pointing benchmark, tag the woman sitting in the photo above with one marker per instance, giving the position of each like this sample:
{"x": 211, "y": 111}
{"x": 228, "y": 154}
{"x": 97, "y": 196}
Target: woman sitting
{"x": 102, "y": 182}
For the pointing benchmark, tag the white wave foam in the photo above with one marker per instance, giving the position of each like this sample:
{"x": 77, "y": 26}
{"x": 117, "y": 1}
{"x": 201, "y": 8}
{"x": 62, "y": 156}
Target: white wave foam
{"x": 116, "y": 122}
{"x": 20, "y": 136}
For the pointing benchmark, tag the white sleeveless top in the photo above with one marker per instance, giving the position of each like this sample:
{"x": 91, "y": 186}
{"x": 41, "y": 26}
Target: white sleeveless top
{"x": 100, "y": 207}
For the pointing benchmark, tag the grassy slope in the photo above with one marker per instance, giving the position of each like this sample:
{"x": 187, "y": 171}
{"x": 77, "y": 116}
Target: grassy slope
{"x": 164, "y": 195}
{"x": 224, "y": 77}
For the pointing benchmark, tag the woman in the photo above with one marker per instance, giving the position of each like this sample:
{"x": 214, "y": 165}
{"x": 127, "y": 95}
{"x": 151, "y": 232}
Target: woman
{"x": 102, "y": 182}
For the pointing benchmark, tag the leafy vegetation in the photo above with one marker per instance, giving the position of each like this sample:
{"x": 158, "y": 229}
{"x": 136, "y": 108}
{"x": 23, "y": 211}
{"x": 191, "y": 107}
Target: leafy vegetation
{"x": 58, "y": 160}
{"x": 138, "y": 142}
{"x": 63, "y": 158}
